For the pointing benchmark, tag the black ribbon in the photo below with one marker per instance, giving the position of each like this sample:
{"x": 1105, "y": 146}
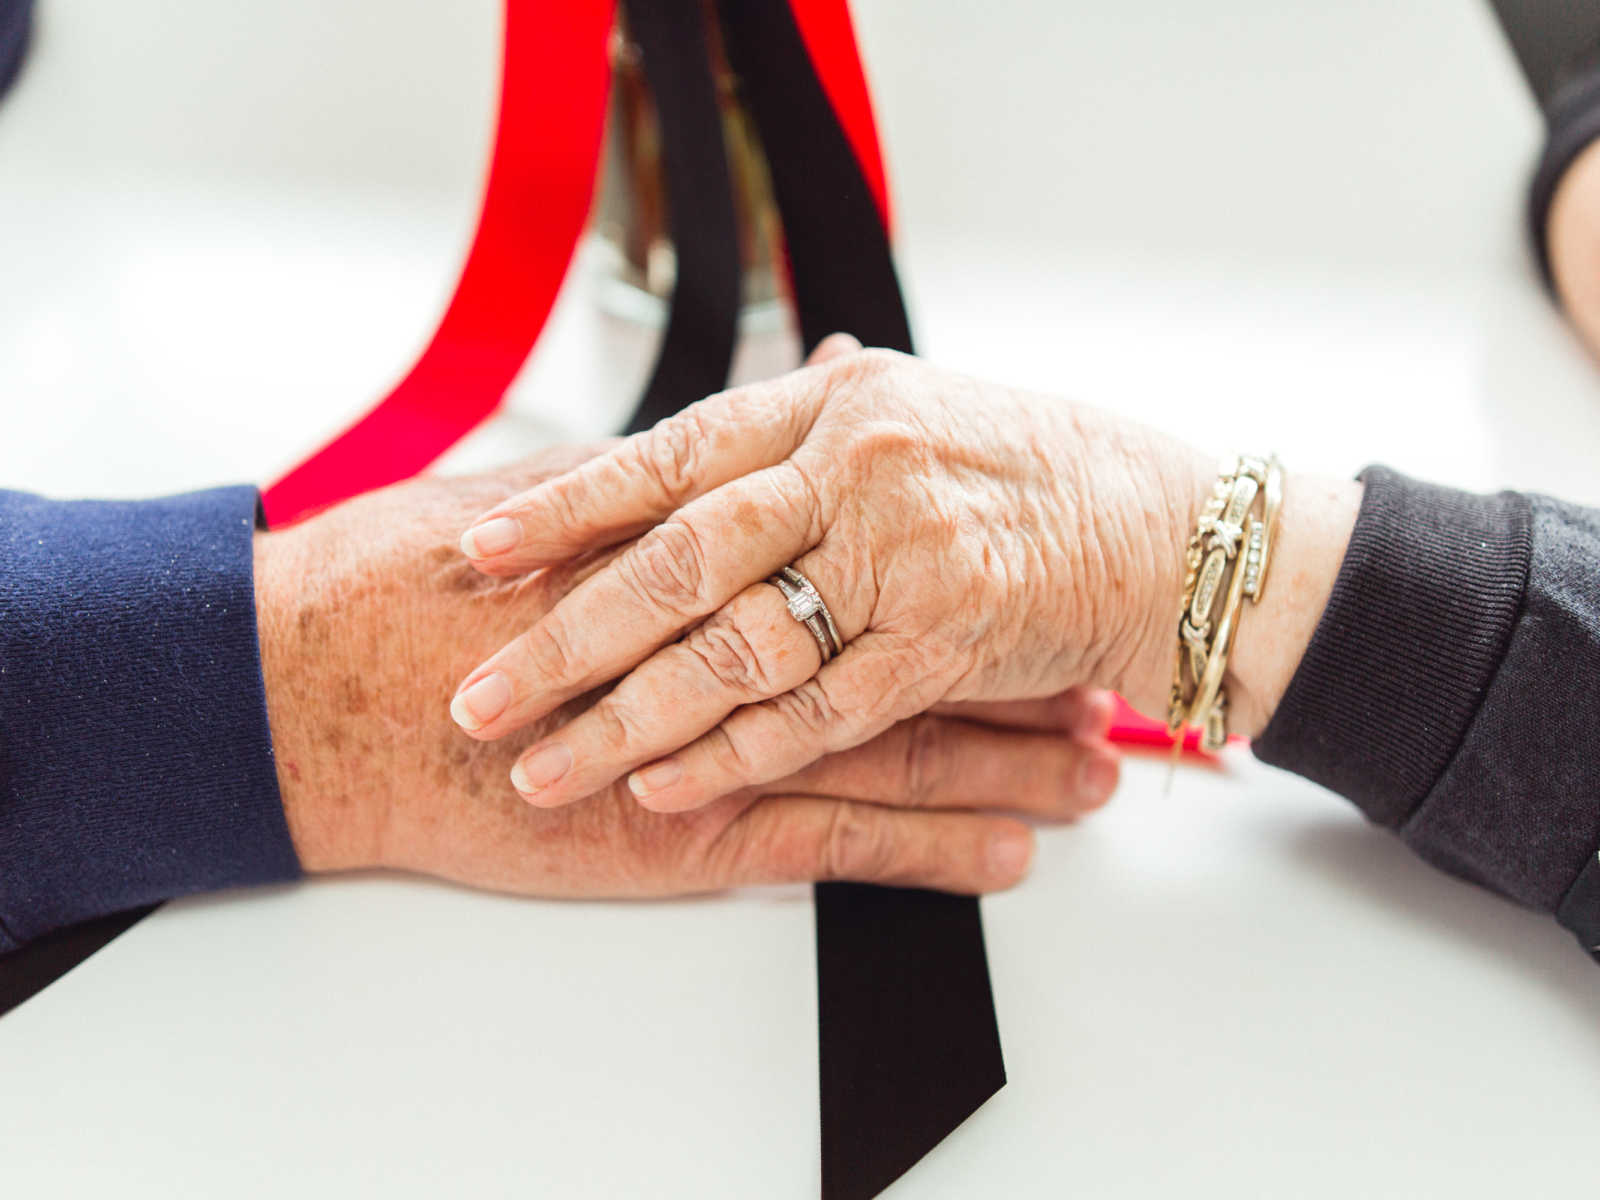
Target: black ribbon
{"x": 839, "y": 260}
{"x": 697, "y": 348}
{"x": 28, "y": 971}
{"x": 909, "y": 1046}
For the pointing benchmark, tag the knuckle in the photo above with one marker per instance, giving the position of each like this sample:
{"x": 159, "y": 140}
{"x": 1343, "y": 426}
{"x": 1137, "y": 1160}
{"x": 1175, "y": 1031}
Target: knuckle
{"x": 926, "y": 761}
{"x": 727, "y": 654}
{"x": 729, "y": 754}
{"x": 805, "y": 501}
{"x": 864, "y": 368}
{"x": 669, "y": 455}
{"x": 876, "y": 444}
{"x": 808, "y": 709}
{"x": 856, "y": 844}
{"x": 617, "y": 726}
{"x": 566, "y": 508}
{"x": 668, "y": 567}
{"x": 546, "y": 652}
{"x": 878, "y": 359}
{"x": 906, "y": 677}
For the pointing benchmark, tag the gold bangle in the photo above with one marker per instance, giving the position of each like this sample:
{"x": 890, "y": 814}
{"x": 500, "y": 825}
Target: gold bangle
{"x": 1227, "y": 555}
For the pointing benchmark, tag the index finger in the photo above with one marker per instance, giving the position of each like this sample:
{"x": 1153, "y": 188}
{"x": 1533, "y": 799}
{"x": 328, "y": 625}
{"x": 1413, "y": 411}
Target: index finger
{"x": 647, "y": 477}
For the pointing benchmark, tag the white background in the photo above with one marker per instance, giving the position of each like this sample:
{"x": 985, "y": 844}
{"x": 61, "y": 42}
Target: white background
{"x": 226, "y": 228}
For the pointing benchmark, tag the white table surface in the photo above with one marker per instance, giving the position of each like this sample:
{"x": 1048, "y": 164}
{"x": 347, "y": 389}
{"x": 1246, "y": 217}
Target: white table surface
{"x": 225, "y": 228}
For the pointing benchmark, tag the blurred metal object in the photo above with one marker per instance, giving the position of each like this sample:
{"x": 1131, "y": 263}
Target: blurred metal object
{"x": 630, "y": 218}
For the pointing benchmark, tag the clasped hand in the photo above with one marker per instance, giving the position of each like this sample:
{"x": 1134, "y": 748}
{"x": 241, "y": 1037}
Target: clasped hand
{"x": 973, "y": 544}
{"x": 368, "y": 617}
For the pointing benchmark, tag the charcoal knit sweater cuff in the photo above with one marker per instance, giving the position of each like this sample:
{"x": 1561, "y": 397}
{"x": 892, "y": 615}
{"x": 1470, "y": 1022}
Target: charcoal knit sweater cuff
{"x": 1419, "y": 620}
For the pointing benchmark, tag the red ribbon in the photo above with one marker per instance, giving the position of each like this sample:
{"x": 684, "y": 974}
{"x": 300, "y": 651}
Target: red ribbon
{"x": 553, "y": 87}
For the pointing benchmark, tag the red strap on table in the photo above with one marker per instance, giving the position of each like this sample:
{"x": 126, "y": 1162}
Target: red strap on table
{"x": 553, "y": 88}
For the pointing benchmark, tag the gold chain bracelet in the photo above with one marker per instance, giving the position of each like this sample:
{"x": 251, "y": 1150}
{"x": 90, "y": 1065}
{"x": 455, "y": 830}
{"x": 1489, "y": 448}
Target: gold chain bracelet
{"x": 1227, "y": 559}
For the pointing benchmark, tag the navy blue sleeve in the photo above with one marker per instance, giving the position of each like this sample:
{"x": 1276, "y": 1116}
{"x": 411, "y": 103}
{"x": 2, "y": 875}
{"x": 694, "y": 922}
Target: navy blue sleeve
{"x": 135, "y": 755}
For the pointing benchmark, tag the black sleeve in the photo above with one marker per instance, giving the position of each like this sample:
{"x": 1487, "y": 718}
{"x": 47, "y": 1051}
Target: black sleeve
{"x": 1452, "y": 687}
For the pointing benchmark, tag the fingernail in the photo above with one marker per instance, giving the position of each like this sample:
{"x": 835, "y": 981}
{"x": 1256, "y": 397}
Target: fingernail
{"x": 475, "y": 706}
{"x": 541, "y": 768}
{"x": 1010, "y": 854}
{"x": 1094, "y": 719}
{"x": 655, "y": 777}
{"x": 491, "y": 538}
{"x": 1098, "y": 777}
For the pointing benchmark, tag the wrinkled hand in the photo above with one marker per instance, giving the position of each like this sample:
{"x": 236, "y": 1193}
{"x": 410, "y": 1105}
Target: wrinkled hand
{"x": 368, "y": 616}
{"x": 972, "y": 543}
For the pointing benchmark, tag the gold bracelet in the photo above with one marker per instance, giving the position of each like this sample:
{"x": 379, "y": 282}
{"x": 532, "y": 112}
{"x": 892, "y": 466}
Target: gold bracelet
{"x": 1227, "y": 556}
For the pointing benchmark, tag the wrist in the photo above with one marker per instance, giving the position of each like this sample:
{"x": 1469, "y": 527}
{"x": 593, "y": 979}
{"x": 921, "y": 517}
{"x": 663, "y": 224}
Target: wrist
{"x": 1153, "y": 510}
{"x": 1312, "y": 534}
{"x": 324, "y": 822}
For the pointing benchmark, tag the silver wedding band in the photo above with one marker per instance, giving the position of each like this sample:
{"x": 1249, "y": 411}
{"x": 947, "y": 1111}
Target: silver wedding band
{"x": 806, "y": 606}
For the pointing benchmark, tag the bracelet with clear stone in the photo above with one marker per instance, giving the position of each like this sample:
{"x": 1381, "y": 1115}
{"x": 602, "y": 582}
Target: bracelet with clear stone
{"x": 1227, "y": 558}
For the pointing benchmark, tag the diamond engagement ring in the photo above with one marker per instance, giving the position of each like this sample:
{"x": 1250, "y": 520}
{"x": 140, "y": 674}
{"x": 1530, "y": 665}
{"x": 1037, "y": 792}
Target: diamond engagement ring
{"x": 807, "y": 607}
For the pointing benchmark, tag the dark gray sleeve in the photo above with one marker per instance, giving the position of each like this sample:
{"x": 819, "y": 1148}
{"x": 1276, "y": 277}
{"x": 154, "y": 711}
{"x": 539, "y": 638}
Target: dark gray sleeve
{"x": 1450, "y": 689}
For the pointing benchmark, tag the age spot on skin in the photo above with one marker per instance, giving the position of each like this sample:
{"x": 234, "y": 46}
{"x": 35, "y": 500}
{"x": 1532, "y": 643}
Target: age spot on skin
{"x": 353, "y": 697}
{"x": 749, "y": 517}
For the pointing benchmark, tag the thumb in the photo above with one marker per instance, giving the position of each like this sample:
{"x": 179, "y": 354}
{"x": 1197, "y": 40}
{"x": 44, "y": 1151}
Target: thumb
{"x": 835, "y": 345}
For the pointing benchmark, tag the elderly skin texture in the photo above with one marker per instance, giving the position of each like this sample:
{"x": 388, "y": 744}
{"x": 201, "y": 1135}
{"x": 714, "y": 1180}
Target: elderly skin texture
{"x": 369, "y": 615}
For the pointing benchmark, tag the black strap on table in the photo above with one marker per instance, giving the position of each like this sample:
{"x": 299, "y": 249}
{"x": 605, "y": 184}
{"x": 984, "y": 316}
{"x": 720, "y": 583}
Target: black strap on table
{"x": 697, "y": 347}
{"x": 909, "y": 1043}
{"x": 28, "y": 971}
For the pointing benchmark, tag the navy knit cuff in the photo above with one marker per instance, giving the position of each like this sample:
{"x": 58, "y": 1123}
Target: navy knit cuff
{"x": 1419, "y": 620}
{"x": 135, "y": 756}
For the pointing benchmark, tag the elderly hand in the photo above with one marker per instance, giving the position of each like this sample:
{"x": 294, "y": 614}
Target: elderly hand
{"x": 368, "y": 615}
{"x": 971, "y": 542}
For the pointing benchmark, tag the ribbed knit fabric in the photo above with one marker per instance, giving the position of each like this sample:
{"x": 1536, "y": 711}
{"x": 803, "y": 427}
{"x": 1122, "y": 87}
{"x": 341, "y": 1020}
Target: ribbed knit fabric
{"x": 1518, "y": 807}
{"x": 1419, "y": 619}
{"x": 1445, "y": 689}
{"x": 135, "y": 755}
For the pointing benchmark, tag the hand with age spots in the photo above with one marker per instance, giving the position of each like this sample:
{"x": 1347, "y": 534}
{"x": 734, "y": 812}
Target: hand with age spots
{"x": 368, "y": 617}
{"x": 972, "y": 543}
